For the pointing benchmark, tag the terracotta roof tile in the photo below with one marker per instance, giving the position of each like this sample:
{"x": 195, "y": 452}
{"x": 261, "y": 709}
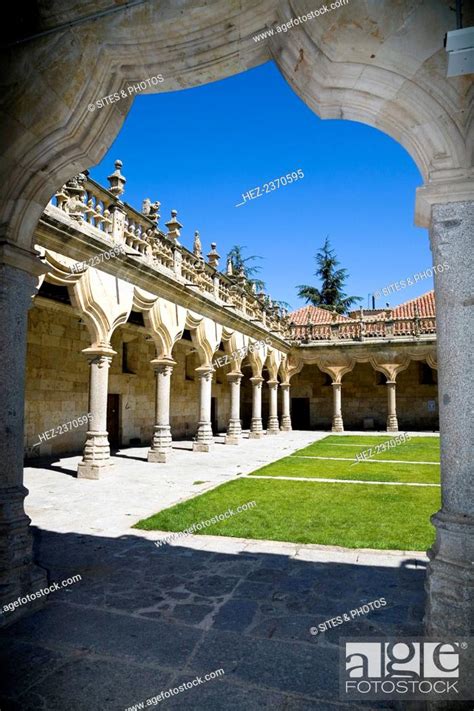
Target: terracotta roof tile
{"x": 426, "y": 307}
{"x": 315, "y": 315}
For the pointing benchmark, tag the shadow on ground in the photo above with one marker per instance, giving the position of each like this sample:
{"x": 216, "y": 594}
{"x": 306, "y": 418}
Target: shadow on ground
{"x": 144, "y": 619}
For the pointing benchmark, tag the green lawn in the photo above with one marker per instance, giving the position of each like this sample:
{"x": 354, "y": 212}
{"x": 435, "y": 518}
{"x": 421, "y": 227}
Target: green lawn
{"x": 417, "y": 449}
{"x": 363, "y": 471}
{"x": 349, "y": 515}
{"x": 354, "y": 516}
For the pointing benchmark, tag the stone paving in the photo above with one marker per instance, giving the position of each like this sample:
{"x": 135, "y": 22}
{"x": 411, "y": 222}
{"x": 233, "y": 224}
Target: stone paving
{"x": 144, "y": 619}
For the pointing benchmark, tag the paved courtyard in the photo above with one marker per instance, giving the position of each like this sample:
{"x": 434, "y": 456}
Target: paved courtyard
{"x": 143, "y": 619}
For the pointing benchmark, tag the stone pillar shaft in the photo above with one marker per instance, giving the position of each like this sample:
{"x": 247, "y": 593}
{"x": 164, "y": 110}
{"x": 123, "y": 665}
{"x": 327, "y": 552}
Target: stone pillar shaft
{"x": 256, "y": 427}
{"x": 18, "y": 282}
{"x": 273, "y": 426}
{"x": 160, "y": 449}
{"x": 234, "y": 429}
{"x": 337, "y": 421}
{"x": 204, "y": 437}
{"x": 450, "y": 583}
{"x": 285, "y": 415}
{"x": 96, "y": 458}
{"x": 392, "y": 421}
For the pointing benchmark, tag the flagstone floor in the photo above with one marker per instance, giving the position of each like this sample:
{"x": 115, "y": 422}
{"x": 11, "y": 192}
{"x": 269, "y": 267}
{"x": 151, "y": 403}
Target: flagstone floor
{"x": 144, "y": 619}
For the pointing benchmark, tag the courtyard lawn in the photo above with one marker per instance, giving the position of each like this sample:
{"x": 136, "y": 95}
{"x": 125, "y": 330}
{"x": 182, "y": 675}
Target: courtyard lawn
{"x": 363, "y": 471}
{"x": 417, "y": 449}
{"x": 350, "y": 515}
{"x": 342, "y": 514}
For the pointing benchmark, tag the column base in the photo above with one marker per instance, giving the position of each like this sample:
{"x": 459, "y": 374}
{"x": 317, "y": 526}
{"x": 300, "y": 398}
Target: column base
{"x": 204, "y": 438}
{"x": 392, "y": 423}
{"x": 160, "y": 449}
{"x": 286, "y": 424}
{"x": 159, "y": 456}
{"x": 18, "y": 574}
{"x": 91, "y": 470}
{"x": 234, "y": 432}
{"x": 256, "y": 428}
{"x": 450, "y": 581}
{"x": 273, "y": 426}
{"x": 337, "y": 424}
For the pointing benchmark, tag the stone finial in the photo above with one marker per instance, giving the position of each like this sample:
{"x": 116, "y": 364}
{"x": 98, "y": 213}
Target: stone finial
{"x": 241, "y": 278}
{"x": 74, "y": 193}
{"x": 213, "y": 256}
{"x": 229, "y": 269}
{"x": 116, "y": 180}
{"x": 151, "y": 209}
{"x": 197, "y": 246}
{"x": 174, "y": 227}
{"x": 253, "y": 288}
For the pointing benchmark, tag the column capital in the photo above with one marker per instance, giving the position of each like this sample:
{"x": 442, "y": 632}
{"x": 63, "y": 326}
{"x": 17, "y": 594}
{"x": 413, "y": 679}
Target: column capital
{"x": 234, "y": 377}
{"x": 284, "y": 386}
{"x": 273, "y": 383}
{"x": 450, "y": 188}
{"x": 14, "y": 256}
{"x": 160, "y": 364}
{"x": 204, "y": 370}
{"x": 104, "y": 354}
{"x": 390, "y": 382}
{"x": 256, "y": 380}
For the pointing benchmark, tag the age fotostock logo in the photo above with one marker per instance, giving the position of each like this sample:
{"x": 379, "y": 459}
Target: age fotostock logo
{"x": 418, "y": 668}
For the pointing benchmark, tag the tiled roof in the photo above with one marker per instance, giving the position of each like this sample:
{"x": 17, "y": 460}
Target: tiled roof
{"x": 425, "y": 303}
{"x": 315, "y": 315}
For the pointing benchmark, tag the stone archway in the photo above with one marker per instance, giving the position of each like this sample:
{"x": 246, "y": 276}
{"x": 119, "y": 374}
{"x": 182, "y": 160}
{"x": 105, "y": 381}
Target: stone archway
{"x": 385, "y": 67}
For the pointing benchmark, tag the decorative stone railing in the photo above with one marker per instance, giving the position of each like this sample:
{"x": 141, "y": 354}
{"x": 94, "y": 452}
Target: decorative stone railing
{"x": 361, "y": 329}
{"x": 101, "y": 209}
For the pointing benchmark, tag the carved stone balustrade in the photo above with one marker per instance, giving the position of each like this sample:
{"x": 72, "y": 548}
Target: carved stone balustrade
{"x": 364, "y": 329}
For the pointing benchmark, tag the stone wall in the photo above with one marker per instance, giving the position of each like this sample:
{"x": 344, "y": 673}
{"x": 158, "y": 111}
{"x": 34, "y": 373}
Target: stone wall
{"x": 57, "y": 377}
{"x": 364, "y": 397}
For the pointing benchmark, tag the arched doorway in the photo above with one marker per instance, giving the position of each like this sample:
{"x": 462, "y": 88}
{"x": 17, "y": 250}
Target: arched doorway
{"x": 367, "y": 70}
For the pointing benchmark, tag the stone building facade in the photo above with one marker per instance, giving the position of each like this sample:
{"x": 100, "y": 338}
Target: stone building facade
{"x": 148, "y": 367}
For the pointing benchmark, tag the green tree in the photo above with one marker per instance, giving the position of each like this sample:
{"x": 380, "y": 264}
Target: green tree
{"x": 331, "y": 295}
{"x": 239, "y": 261}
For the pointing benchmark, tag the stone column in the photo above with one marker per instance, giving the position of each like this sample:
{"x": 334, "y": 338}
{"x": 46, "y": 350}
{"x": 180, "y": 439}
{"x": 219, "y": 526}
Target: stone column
{"x": 204, "y": 437}
{"x": 19, "y": 272}
{"x": 337, "y": 423}
{"x": 234, "y": 429}
{"x": 160, "y": 449}
{"x": 96, "y": 458}
{"x": 256, "y": 427}
{"x": 450, "y": 582}
{"x": 273, "y": 426}
{"x": 392, "y": 422}
{"x": 285, "y": 415}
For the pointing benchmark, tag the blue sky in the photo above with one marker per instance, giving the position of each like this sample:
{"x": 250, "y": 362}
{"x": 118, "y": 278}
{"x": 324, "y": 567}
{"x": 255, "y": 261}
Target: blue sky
{"x": 198, "y": 150}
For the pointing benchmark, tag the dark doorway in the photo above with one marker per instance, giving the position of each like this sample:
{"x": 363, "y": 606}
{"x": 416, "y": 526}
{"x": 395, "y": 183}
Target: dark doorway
{"x": 214, "y": 414}
{"x": 300, "y": 418}
{"x": 113, "y": 420}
